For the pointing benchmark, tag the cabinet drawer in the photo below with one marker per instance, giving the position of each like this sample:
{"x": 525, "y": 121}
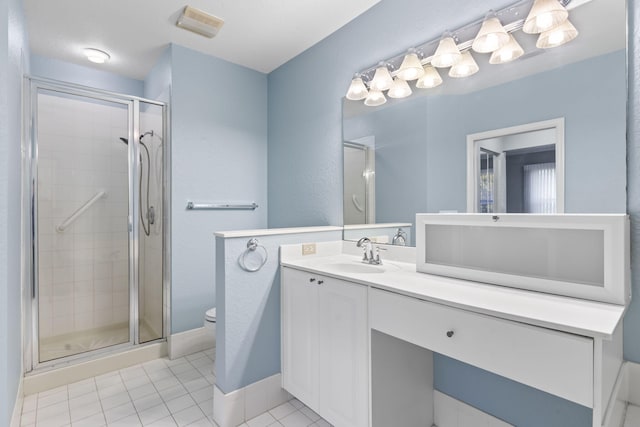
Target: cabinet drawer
{"x": 556, "y": 362}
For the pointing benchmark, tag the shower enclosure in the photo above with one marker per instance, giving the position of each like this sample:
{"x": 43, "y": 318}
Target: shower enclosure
{"x": 95, "y": 191}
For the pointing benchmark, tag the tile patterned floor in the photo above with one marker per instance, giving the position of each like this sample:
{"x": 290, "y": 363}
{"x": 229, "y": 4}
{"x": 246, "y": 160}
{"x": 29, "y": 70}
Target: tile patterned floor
{"x": 158, "y": 393}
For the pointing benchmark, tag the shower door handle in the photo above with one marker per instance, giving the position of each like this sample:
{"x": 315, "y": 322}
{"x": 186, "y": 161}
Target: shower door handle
{"x": 130, "y": 224}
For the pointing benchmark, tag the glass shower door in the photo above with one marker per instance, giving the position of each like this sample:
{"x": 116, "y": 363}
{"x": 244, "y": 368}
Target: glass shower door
{"x": 82, "y": 245}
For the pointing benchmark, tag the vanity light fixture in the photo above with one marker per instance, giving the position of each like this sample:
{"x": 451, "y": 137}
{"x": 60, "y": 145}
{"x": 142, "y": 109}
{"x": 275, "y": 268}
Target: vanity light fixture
{"x": 399, "y": 89}
{"x": 495, "y": 34}
{"x": 466, "y": 67}
{"x": 492, "y": 35}
{"x": 557, "y": 36}
{"x": 382, "y": 79}
{"x": 96, "y": 55}
{"x": 544, "y": 15}
{"x": 430, "y": 79}
{"x": 375, "y": 98}
{"x": 447, "y": 53}
{"x": 507, "y": 53}
{"x": 411, "y": 67}
{"x": 357, "y": 90}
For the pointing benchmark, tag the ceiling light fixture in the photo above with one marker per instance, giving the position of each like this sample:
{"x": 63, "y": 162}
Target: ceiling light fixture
{"x": 494, "y": 34}
{"x": 199, "y": 22}
{"x": 96, "y": 55}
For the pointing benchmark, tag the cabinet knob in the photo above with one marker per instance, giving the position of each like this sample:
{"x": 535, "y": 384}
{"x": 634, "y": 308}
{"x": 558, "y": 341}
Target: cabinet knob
{"x": 449, "y": 334}
{"x": 313, "y": 279}
{"x": 320, "y": 282}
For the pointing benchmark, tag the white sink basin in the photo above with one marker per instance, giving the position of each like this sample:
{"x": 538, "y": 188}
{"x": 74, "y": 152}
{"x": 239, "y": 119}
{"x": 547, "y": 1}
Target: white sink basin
{"x": 357, "y": 268}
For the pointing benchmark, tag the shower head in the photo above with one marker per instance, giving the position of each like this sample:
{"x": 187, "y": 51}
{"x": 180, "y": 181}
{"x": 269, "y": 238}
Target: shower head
{"x": 125, "y": 140}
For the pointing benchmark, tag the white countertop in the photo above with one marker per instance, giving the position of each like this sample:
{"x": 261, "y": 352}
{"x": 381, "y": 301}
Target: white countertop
{"x": 577, "y": 316}
{"x": 275, "y": 231}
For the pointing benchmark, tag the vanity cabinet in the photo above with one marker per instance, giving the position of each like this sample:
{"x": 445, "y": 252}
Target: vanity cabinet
{"x": 325, "y": 357}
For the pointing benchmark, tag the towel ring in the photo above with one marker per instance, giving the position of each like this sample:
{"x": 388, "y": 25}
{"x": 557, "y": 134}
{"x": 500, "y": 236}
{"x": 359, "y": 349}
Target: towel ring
{"x": 252, "y": 246}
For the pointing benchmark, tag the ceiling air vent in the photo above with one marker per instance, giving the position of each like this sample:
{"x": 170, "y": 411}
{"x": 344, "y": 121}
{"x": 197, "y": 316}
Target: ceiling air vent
{"x": 199, "y": 22}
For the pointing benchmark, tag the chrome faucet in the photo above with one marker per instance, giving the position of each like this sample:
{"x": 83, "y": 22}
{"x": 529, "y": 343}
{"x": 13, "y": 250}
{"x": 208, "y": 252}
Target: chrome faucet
{"x": 368, "y": 257}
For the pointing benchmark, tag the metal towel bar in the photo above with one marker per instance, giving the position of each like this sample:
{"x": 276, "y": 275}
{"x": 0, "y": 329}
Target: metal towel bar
{"x": 221, "y": 206}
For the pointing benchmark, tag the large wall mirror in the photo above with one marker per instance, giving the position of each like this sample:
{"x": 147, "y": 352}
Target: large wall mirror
{"x": 417, "y": 147}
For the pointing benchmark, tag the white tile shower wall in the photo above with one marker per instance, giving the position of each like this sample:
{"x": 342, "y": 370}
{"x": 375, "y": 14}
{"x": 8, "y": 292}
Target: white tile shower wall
{"x": 83, "y": 271}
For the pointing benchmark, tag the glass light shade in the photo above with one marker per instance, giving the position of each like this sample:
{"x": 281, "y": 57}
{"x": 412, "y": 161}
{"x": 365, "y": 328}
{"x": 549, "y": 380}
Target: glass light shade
{"x": 465, "y": 68}
{"x": 507, "y": 53}
{"x": 544, "y": 15}
{"x": 491, "y": 37}
{"x": 431, "y": 78}
{"x": 447, "y": 53}
{"x": 411, "y": 68}
{"x": 96, "y": 55}
{"x": 382, "y": 79}
{"x": 558, "y": 36}
{"x": 399, "y": 89}
{"x": 357, "y": 90}
{"x": 375, "y": 98}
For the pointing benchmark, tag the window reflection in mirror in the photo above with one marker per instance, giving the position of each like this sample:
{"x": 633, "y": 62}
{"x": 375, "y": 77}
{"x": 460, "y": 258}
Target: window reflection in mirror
{"x": 517, "y": 170}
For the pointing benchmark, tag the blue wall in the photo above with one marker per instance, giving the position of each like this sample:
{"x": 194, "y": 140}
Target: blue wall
{"x": 248, "y": 313}
{"x": 305, "y": 102}
{"x": 14, "y": 61}
{"x": 56, "y": 69}
{"x": 219, "y": 154}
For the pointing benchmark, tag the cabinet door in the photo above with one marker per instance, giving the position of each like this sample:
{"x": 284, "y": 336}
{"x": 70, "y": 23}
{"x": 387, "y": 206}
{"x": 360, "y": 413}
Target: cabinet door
{"x": 299, "y": 336}
{"x": 344, "y": 366}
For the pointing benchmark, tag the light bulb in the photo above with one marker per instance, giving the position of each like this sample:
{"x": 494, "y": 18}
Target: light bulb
{"x": 430, "y": 79}
{"x": 411, "y": 68}
{"x": 492, "y": 35}
{"x": 557, "y": 36}
{"x": 399, "y": 89}
{"x": 508, "y": 52}
{"x": 544, "y": 15}
{"x": 357, "y": 89}
{"x": 447, "y": 53}
{"x": 375, "y": 98}
{"x": 382, "y": 79}
{"x": 466, "y": 67}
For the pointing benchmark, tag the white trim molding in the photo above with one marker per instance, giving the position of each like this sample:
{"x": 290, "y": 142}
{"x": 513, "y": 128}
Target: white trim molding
{"x": 238, "y": 406}
{"x": 189, "y": 342}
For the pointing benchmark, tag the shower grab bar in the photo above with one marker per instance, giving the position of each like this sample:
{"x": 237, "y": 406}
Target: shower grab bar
{"x": 211, "y": 206}
{"x": 82, "y": 209}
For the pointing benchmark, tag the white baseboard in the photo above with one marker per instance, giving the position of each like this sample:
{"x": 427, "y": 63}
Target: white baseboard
{"x": 35, "y": 383}
{"x": 633, "y": 383}
{"x": 232, "y": 409}
{"x": 189, "y": 342}
{"x": 450, "y": 412}
{"x": 17, "y": 408}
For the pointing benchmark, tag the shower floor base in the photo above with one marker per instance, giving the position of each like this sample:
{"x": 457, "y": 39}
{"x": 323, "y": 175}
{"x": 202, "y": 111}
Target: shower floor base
{"x": 65, "y": 345}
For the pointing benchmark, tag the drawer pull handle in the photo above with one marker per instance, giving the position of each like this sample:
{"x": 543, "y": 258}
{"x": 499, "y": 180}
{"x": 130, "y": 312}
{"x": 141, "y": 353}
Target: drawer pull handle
{"x": 320, "y": 282}
{"x": 449, "y": 334}
{"x": 312, "y": 279}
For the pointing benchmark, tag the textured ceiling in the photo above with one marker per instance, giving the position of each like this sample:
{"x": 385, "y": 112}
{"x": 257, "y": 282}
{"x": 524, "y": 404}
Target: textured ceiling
{"x": 258, "y": 34}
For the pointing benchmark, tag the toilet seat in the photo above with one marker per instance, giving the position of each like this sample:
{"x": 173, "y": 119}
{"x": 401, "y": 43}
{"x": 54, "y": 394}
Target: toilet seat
{"x": 210, "y": 315}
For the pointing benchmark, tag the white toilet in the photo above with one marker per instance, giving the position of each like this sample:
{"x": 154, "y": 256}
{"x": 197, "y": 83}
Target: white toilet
{"x": 210, "y": 323}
